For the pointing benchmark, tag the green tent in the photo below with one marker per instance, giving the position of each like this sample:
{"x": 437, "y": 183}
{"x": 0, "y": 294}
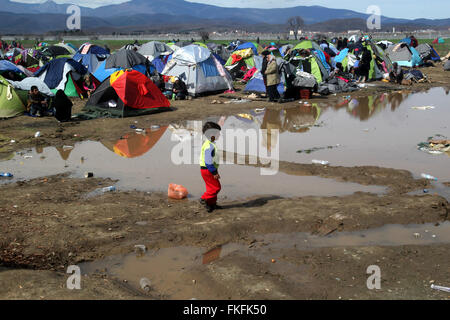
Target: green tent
{"x": 10, "y": 103}
{"x": 70, "y": 89}
{"x": 307, "y": 45}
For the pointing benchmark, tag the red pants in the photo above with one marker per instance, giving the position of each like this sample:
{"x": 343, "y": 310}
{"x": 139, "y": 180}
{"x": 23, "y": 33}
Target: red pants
{"x": 213, "y": 187}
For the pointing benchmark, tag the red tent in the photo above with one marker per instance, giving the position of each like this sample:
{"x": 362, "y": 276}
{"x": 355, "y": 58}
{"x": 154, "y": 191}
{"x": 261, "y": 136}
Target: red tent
{"x": 137, "y": 91}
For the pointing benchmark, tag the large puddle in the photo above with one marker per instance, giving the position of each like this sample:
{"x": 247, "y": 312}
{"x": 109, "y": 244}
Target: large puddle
{"x": 381, "y": 130}
{"x": 167, "y": 268}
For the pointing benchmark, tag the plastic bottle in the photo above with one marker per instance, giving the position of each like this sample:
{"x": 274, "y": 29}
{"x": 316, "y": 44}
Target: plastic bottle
{"x": 429, "y": 177}
{"x": 6, "y": 175}
{"x": 446, "y": 289}
{"x": 322, "y": 162}
{"x": 37, "y": 134}
{"x": 145, "y": 284}
{"x": 109, "y": 189}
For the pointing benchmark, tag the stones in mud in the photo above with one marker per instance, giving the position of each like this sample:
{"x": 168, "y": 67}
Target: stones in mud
{"x": 140, "y": 248}
{"x": 145, "y": 284}
{"x": 331, "y": 224}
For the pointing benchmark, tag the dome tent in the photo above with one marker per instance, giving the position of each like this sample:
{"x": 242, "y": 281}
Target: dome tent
{"x": 126, "y": 93}
{"x": 65, "y": 74}
{"x": 10, "y": 103}
{"x": 199, "y": 70}
{"x": 91, "y": 56}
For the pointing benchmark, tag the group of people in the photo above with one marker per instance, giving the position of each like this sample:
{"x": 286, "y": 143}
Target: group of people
{"x": 5, "y": 46}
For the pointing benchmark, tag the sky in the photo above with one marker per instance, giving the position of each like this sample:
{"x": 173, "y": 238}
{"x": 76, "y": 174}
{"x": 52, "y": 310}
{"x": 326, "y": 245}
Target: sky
{"x": 409, "y": 9}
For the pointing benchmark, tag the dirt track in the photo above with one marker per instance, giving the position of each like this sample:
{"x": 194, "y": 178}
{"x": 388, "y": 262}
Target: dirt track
{"x": 47, "y": 224}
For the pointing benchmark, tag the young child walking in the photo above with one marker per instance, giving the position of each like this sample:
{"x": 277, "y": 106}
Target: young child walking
{"x": 209, "y": 165}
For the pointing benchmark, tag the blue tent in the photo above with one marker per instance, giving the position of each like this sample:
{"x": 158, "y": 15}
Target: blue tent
{"x": 101, "y": 73}
{"x": 341, "y": 56}
{"x": 246, "y": 46}
{"x": 9, "y": 66}
{"x": 406, "y": 40}
{"x": 93, "y": 58}
{"x": 55, "y": 71}
{"x": 256, "y": 84}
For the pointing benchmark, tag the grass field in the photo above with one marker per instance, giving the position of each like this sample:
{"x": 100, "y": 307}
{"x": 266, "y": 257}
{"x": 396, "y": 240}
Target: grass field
{"x": 442, "y": 49}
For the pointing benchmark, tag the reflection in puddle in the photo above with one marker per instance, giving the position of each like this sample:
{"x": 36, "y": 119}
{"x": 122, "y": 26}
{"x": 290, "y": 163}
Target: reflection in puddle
{"x": 168, "y": 268}
{"x": 379, "y": 130}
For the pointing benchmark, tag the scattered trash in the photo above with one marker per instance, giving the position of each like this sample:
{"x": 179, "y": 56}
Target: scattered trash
{"x": 37, "y": 134}
{"x": 252, "y": 96}
{"x": 216, "y": 102}
{"x": 177, "y": 192}
{"x": 322, "y": 162}
{"x": 140, "y": 248}
{"x": 13, "y": 141}
{"x": 140, "y": 130}
{"x": 433, "y": 236}
{"x": 423, "y": 108}
{"x": 428, "y": 177}
{"x": 238, "y": 101}
{"x": 308, "y": 151}
{"x": 89, "y": 175}
{"x": 425, "y": 191}
{"x": 155, "y": 127}
{"x": 416, "y": 235}
{"x": 6, "y": 175}
{"x": 27, "y": 157}
{"x": 133, "y": 126}
{"x": 65, "y": 148}
{"x": 446, "y": 289}
{"x": 109, "y": 189}
{"x": 435, "y": 146}
{"x": 273, "y": 261}
{"x": 145, "y": 284}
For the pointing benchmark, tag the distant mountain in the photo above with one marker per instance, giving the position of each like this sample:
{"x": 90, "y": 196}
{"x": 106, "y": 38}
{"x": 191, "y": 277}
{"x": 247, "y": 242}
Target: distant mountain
{"x": 310, "y": 14}
{"x": 182, "y": 15}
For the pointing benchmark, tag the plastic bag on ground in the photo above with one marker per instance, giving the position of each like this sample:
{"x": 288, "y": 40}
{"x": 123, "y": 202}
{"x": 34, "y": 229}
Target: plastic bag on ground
{"x": 177, "y": 191}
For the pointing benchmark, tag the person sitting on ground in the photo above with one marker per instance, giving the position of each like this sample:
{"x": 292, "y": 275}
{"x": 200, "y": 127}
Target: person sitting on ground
{"x": 179, "y": 89}
{"x": 396, "y": 75}
{"x": 37, "y": 103}
{"x": 89, "y": 85}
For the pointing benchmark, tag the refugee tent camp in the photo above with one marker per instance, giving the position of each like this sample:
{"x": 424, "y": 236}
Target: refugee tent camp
{"x": 404, "y": 55}
{"x": 199, "y": 70}
{"x": 126, "y": 93}
{"x": 10, "y": 103}
{"x": 91, "y": 56}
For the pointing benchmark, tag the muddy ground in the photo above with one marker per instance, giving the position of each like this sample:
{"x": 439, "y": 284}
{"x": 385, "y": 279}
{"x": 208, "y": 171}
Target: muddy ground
{"x": 48, "y": 224}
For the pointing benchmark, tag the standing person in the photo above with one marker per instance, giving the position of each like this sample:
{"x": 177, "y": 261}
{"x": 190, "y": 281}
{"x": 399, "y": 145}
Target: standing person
{"x": 273, "y": 79}
{"x": 107, "y": 48}
{"x": 264, "y": 67}
{"x": 63, "y": 106}
{"x": 364, "y": 65}
{"x": 209, "y": 165}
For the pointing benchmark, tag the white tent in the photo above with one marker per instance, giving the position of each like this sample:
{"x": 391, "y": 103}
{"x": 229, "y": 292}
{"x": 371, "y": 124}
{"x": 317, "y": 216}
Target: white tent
{"x": 199, "y": 70}
{"x": 27, "y": 83}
